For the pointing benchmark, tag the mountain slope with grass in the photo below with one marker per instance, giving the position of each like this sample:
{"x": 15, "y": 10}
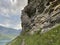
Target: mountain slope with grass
{"x": 51, "y": 37}
{"x": 40, "y": 23}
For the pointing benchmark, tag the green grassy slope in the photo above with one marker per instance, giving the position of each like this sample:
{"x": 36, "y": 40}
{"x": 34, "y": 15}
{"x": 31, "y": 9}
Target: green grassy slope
{"x": 51, "y": 37}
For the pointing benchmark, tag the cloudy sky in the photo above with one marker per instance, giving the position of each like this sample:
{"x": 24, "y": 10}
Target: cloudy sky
{"x": 10, "y": 13}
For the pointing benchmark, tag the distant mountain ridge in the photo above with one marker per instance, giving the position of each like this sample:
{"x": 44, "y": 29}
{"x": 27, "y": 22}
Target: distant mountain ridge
{"x": 9, "y": 31}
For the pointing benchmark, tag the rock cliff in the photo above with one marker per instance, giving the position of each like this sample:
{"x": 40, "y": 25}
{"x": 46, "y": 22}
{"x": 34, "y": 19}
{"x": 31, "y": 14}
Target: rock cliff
{"x": 41, "y": 18}
{"x": 40, "y": 14}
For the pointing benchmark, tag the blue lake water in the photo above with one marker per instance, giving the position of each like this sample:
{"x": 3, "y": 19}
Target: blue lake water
{"x": 3, "y": 42}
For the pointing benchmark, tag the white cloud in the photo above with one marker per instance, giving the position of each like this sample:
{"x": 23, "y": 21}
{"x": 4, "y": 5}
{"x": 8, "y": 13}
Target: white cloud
{"x": 9, "y": 25}
{"x": 18, "y": 26}
{"x": 13, "y": 2}
{"x": 9, "y": 9}
{"x": 4, "y": 12}
{"x": 5, "y": 25}
{"x": 12, "y": 6}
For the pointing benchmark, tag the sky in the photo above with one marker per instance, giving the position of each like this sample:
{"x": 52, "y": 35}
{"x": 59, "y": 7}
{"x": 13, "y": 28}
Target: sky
{"x": 10, "y": 13}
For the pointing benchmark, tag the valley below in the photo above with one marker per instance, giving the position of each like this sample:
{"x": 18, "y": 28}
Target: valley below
{"x": 7, "y": 34}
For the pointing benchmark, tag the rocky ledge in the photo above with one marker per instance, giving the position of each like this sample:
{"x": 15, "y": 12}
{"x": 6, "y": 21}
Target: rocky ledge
{"x": 40, "y": 15}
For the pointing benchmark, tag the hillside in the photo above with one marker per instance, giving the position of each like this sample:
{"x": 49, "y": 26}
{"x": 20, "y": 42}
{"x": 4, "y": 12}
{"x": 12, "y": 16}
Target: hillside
{"x": 8, "y": 33}
{"x": 2, "y": 37}
{"x": 51, "y": 37}
{"x": 40, "y": 23}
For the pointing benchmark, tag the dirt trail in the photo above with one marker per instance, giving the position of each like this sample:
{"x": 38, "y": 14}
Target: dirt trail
{"x": 23, "y": 42}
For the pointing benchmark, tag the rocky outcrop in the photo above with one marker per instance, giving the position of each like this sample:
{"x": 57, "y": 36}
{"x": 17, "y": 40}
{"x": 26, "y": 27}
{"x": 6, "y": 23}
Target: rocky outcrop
{"x": 40, "y": 14}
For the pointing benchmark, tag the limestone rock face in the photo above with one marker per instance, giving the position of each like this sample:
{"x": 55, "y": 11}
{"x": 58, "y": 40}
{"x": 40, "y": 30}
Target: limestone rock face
{"x": 40, "y": 14}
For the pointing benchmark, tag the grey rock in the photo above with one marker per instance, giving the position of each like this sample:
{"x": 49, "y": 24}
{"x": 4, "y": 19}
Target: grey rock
{"x": 40, "y": 14}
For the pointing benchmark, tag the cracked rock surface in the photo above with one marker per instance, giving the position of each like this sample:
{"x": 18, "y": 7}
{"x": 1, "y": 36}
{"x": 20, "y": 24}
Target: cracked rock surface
{"x": 40, "y": 14}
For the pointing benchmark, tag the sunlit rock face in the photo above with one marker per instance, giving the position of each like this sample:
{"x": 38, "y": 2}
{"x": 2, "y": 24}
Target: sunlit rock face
{"x": 41, "y": 14}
